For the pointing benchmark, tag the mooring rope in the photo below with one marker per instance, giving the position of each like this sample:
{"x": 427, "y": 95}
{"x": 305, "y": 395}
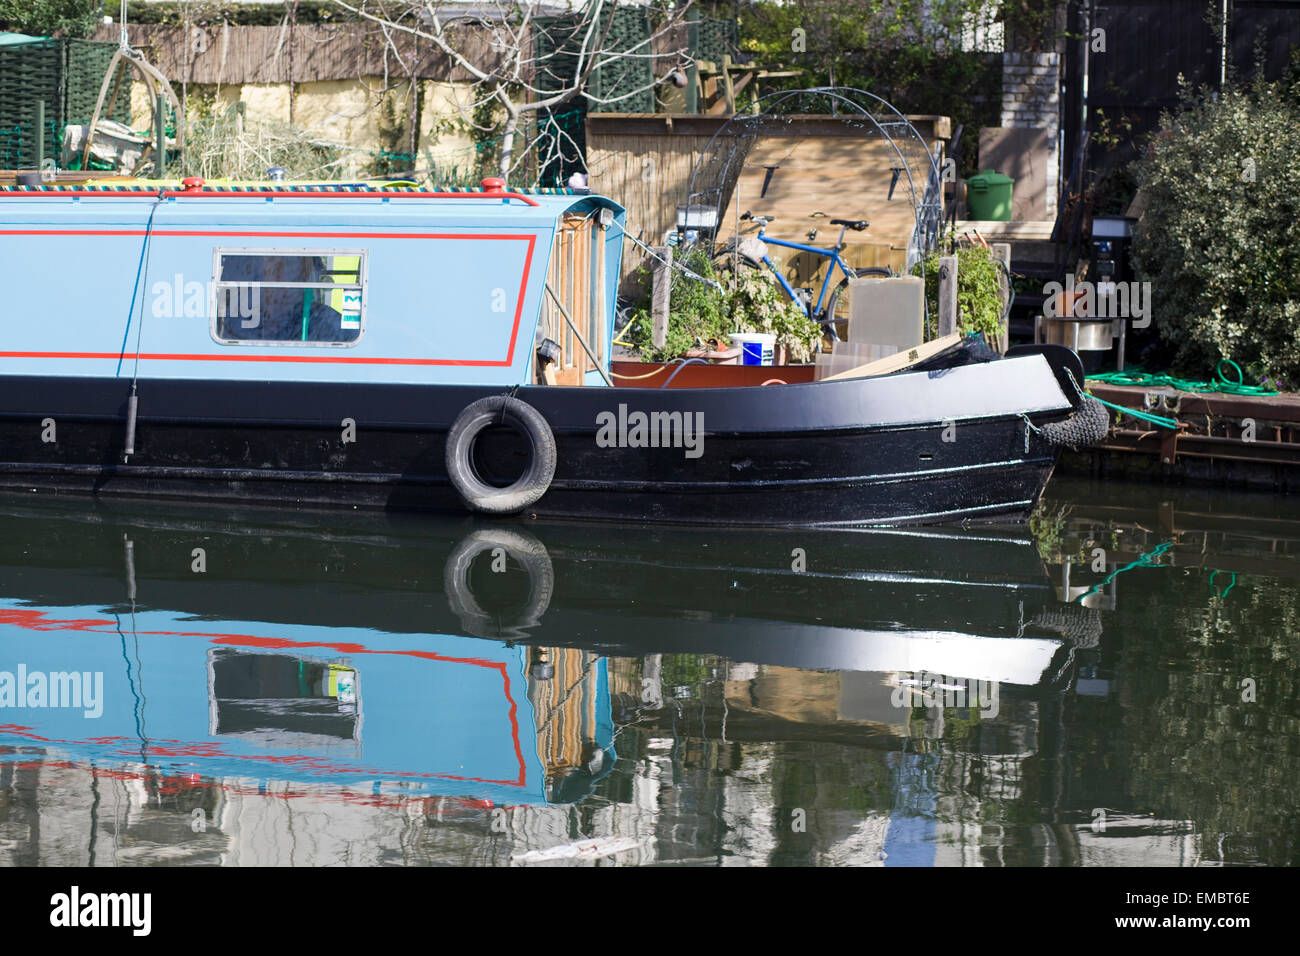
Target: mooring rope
{"x": 1170, "y": 423}
{"x": 132, "y": 402}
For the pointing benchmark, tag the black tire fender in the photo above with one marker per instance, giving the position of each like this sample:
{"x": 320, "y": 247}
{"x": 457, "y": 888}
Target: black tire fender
{"x": 531, "y": 555}
{"x": 477, "y": 494}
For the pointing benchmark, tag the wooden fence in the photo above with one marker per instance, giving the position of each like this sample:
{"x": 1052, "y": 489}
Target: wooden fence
{"x": 234, "y": 54}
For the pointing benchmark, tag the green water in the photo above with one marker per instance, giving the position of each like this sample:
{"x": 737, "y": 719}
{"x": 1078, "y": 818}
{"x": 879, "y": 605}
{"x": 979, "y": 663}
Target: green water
{"x": 1114, "y": 685}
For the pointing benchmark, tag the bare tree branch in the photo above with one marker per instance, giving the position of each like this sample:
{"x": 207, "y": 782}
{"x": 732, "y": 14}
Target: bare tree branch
{"x": 511, "y": 73}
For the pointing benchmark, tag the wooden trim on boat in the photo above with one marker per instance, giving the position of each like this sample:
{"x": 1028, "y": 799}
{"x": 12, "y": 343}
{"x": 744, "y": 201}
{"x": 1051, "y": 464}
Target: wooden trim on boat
{"x": 900, "y": 360}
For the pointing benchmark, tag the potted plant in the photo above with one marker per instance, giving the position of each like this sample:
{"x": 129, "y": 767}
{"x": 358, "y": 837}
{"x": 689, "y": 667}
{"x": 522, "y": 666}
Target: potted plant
{"x": 757, "y": 304}
{"x": 702, "y": 316}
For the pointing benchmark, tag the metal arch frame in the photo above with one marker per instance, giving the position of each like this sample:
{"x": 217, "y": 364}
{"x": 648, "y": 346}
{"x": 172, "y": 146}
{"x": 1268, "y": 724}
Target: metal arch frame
{"x": 927, "y": 211}
{"x": 155, "y": 82}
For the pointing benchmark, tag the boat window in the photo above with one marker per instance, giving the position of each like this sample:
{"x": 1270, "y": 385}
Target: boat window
{"x": 288, "y": 296}
{"x": 277, "y": 700}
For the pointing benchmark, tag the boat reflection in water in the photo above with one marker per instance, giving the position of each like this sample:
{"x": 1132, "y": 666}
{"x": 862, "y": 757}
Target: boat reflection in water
{"x": 455, "y": 671}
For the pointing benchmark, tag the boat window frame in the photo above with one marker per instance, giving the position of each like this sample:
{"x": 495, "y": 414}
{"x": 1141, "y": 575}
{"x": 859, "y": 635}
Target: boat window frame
{"x": 217, "y": 285}
{"x": 214, "y": 710}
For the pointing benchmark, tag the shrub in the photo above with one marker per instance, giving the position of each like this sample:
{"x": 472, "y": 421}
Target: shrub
{"x": 64, "y": 18}
{"x": 907, "y": 52}
{"x": 755, "y": 303}
{"x": 1219, "y": 239}
{"x": 747, "y": 301}
{"x": 980, "y": 294}
{"x": 221, "y": 144}
{"x": 696, "y": 312}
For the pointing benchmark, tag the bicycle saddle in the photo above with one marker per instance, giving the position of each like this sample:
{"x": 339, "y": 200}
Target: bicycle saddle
{"x": 856, "y": 225}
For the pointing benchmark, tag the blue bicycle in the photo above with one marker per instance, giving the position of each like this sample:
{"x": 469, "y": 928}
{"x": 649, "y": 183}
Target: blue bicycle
{"x": 829, "y": 311}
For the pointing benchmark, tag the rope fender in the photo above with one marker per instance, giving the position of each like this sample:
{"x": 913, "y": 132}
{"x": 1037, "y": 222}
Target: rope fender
{"x": 1088, "y": 425}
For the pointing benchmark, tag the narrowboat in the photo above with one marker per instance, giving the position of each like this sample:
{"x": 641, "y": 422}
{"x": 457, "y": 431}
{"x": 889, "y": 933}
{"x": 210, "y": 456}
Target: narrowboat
{"x": 404, "y": 348}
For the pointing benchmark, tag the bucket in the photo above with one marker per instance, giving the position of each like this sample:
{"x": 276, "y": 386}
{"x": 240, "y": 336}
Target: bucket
{"x": 756, "y": 348}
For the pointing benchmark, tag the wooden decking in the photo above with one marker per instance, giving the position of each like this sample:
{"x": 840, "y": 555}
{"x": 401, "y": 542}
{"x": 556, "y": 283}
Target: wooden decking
{"x": 1250, "y": 440}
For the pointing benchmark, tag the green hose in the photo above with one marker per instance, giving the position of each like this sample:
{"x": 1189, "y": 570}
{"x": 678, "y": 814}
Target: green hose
{"x": 1221, "y": 383}
{"x": 1147, "y": 560}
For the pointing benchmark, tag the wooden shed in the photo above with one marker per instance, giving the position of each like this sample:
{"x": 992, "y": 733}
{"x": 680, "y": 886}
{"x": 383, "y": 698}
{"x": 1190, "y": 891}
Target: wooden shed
{"x": 821, "y": 168}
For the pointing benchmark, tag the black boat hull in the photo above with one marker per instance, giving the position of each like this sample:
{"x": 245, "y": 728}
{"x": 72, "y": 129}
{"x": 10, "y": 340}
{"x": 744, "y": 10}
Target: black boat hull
{"x": 871, "y": 599}
{"x": 886, "y": 451}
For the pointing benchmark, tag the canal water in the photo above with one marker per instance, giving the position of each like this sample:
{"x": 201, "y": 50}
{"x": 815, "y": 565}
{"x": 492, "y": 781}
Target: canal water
{"x": 1114, "y": 684}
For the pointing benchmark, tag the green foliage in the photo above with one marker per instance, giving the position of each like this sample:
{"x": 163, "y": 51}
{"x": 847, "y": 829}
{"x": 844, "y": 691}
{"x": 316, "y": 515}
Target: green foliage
{"x": 1219, "y": 239}
{"x": 697, "y": 313}
{"x": 981, "y": 297}
{"x": 242, "y": 14}
{"x": 906, "y": 52}
{"x": 1049, "y": 526}
{"x": 700, "y": 314}
{"x": 1029, "y": 25}
{"x": 63, "y": 18}
{"x": 756, "y": 303}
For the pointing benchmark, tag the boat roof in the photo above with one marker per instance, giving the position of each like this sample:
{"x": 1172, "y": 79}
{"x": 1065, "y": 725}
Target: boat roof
{"x": 492, "y": 194}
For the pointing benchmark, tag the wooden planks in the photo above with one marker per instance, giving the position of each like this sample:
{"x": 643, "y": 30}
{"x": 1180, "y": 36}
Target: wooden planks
{"x": 645, "y": 162}
{"x": 224, "y": 53}
{"x": 576, "y": 274}
{"x": 901, "y": 360}
{"x": 647, "y": 172}
{"x": 837, "y": 176}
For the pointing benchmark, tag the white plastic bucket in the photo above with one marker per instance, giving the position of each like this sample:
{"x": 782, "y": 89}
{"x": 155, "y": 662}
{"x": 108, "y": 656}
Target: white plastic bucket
{"x": 756, "y": 348}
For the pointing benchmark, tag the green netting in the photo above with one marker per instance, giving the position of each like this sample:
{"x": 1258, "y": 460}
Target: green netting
{"x": 66, "y": 76}
{"x": 557, "y": 41}
{"x": 561, "y": 136}
{"x": 86, "y": 62}
{"x": 561, "y": 133}
{"x": 630, "y": 30}
{"x": 713, "y": 38}
{"x": 28, "y": 73}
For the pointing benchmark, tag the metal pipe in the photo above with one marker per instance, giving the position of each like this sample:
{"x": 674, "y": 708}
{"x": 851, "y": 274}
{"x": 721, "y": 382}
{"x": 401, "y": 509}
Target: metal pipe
{"x": 129, "y": 547}
{"x": 40, "y": 133}
{"x": 160, "y": 137}
{"x": 131, "y": 406}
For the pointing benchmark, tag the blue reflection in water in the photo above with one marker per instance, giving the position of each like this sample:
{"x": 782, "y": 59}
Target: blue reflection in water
{"x": 443, "y": 713}
{"x": 910, "y": 840}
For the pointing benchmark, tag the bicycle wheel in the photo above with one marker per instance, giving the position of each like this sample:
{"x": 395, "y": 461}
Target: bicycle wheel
{"x": 835, "y": 320}
{"x": 746, "y": 254}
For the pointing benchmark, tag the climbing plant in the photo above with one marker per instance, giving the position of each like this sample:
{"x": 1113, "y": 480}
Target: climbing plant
{"x": 981, "y": 296}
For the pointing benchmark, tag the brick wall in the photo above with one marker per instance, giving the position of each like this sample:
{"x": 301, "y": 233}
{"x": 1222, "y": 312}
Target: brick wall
{"x": 1031, "y": 98}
